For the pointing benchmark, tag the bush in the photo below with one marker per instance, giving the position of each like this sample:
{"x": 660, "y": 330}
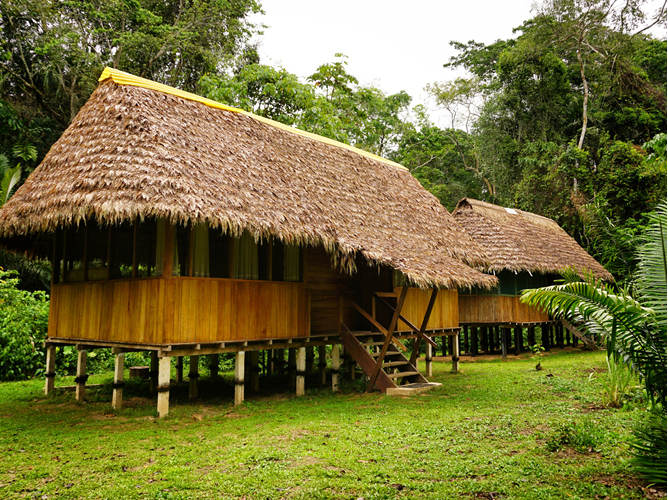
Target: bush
{"x": 24, "y": 317}
{"x": 583, "y": 437}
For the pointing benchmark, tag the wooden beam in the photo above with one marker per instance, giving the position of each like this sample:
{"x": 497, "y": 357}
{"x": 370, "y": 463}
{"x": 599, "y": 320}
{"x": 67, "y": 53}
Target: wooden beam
{"x": 425, "y": 322}
{"x": 117, "y": 390}
{"x": 301, "y": 372}
{"x": 81, "y": 375}
{"x": 168, "y": 254}
{"x": 388, "y": 338}
{"x": 135, "y": 256}
{"x": 336, "y": 363}
{"x": 163, "y": 386}
{"x": 239, "y": 381}
{"x": 380, "y": 327}
{"x": 50, "y": 369}
{"x": 418, "y": 331}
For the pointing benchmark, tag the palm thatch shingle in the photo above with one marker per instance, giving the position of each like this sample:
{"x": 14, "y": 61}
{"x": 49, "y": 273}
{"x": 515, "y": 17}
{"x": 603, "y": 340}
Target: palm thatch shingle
{"x": 138, "y": 149}
{"x": 521, "y": 241}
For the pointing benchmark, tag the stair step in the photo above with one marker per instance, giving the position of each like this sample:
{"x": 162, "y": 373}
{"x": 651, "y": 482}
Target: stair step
{"x": 388, "y": 353}
{"x": 368, "y": 344}
{"x": 395, "y": 363}
{"x": 409, "y": 389}
{"x": 402, "y": 374}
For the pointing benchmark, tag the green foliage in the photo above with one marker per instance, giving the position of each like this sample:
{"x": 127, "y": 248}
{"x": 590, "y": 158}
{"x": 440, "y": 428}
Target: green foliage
{"x": 584, "y": 436}
{"x": 617, "y": 382}
{"x": 24, "y": 318}
{"x": 53, "y": 52}
{"x": 650, "y": 457}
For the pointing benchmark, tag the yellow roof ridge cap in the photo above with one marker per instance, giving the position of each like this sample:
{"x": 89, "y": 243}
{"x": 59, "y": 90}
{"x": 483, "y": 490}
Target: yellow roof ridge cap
{"x": 122, "y": 78}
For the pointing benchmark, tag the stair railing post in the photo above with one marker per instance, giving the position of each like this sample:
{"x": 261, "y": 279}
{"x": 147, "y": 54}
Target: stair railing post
{"x": 388, "y": 339}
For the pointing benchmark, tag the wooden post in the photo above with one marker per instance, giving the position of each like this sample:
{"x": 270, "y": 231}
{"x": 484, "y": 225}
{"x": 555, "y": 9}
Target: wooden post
{"x": 322, "y": 363}
{"x": 504, "y": 342}
{"x": 550, "y": 337}
{"x": 179, "y": 369}
{"x": 164, "y": 367}
{"x": 336, "y": 363}
{"x": 292, "y": 367}
{"x": 81, "y": 378}
{"x": 455, "y": 353}
{"x": 239, "y": 371}
{"x": 427, "y": 360}
{"x": 255, "y": 371}
{"x": 474, "y": 341}
{"x": 270, "y": 362}
{"x": 117, "y": 391}
{"x": 193, "y": 375}
{"x": 518, "y": 340}
{"x": 451, "y": 343}
{"x": 50, "y": 375}
{"x": 531, "y": 336}
{"x": 484, "y": 345}
{"x": 497, "y": 337}
{"x": 301, "y": 371}
{"x": 465, "y": 338}
{"x": 213, "y": 366}
{"x": 154, "y": 370}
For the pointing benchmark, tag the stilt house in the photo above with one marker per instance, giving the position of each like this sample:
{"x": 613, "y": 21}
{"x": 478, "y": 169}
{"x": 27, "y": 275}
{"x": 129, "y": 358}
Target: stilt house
{"x": 525, "y": 251}
{"x": 185, "y": 227}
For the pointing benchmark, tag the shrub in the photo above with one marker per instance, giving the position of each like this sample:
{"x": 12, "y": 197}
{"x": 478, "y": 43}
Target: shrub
{"x": 24, "y": 317}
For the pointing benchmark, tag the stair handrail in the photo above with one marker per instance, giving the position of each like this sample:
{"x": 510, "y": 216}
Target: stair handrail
{"x": 415, "y": 329}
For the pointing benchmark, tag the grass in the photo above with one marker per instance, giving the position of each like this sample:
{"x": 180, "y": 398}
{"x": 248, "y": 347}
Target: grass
{"x": 495, "y": 430}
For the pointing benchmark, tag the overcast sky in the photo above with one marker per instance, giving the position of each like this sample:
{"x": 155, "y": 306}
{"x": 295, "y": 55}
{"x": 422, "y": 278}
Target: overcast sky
{"x": 391, "y": 44}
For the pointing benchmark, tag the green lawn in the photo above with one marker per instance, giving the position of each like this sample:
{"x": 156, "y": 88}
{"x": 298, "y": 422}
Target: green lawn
{"x": 484, "y": 434}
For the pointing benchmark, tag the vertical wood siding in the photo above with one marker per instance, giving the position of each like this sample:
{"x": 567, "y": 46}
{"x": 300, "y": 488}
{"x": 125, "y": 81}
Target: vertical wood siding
{"x": 179, "y": 310}
{"x": 497, "y": 309}
{"x": 445, "y": 313}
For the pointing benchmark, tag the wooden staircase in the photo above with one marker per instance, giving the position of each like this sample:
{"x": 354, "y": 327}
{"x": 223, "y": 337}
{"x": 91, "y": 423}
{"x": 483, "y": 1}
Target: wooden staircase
{"x": 365, "y": 348}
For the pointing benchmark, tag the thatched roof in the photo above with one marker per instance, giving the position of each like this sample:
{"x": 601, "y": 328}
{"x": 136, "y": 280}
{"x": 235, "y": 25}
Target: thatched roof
{"x": 138, "y": 149}
{"x": 521, "y": 241}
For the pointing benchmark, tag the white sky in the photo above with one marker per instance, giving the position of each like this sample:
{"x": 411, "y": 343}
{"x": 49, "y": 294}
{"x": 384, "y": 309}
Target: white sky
{"x": 394, "y": 45}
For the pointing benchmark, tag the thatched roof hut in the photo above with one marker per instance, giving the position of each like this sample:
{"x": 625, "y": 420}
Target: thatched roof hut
{"x": 138, "y": 149}
{"x": 518, "y": 241}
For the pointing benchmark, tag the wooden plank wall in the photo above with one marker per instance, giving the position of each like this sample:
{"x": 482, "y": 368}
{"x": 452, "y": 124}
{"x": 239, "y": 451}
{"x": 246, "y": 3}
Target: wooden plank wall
{"x": 497, "y": 309}
{"x": 325, "y": 285}
{"x": 445, "y": 313}
{"x": 179, "y": 310}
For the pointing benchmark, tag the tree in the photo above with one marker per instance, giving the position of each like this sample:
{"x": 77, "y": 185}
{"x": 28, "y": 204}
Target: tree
{"x": 53, "y": 52}
{"x": 634, "y": 327}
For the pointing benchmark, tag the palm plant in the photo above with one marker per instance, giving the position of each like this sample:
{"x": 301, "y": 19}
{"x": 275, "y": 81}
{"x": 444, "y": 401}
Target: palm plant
{"x": 634, "y": 329}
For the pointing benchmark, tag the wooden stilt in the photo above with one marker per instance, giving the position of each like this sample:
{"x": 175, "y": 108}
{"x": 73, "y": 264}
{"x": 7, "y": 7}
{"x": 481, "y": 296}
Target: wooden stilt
{"x": 301, "y": 371}
{"x": 179, "y": 369}
{"x": 193, "y": 375}
{"x": 255, "y": 371}
{"x": 455, "y": 354}
{"x": 292, "y": 367}
{"x": 239, "y": 381}
{"x": 154, "y": 370}
{"x": 50, "y": 375}
{"x": 451, "y": 342}
{"x": 518, "y": 340}
{"x": 164, "y": 367}
{"x": 465, "y": 338}
{"x": 497, "y": 337}
{"x": 81, "y": 378}
{"x": 484, "y": 340}
{"x": 117, "y": 391}
{"x": 428, "y": 360}
{"x": 322, "y": 363}
{"x": 531, "y": 336}
{"x": 474, "y": 341}
{"x": 213, "y": 366}
{"x": 336, "y": 363}
{"x": 270, "y": 362}
{"x": 504, "y": 342}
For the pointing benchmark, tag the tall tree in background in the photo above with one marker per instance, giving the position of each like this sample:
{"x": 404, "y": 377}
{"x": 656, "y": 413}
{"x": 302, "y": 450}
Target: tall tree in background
{"x": 53, "y": 52}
